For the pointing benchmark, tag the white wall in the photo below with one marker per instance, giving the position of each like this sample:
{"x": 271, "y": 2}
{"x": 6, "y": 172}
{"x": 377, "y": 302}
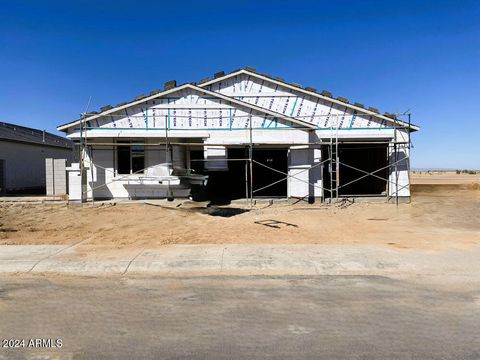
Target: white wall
{"x": 105, "y": 182}
{"x": 305, "y": 179}
{"x": 259, "y": 136}
{"x": 403, "y": 167}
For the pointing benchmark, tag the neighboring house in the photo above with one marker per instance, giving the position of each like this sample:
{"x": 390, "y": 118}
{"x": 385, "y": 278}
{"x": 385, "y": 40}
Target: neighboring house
{"x": 251, "y": 134}
{"x": 23, "y": 152}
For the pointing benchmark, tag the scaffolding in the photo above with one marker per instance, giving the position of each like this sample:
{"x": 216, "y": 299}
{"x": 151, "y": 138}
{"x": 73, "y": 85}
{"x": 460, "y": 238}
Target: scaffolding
{"x": 333, "y": 161}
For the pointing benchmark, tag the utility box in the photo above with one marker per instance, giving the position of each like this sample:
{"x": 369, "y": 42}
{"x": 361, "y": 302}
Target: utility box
{"x": 74, "y": 182}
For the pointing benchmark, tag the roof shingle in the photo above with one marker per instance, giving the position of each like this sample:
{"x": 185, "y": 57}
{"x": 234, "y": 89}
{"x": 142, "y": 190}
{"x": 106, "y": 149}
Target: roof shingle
{"x": 12, "y": 132}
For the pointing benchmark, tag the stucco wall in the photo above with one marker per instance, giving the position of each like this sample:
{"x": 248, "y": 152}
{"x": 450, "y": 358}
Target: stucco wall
{"x": 25, "y": 163}
{"x": 105, "y": 182}
{"x": 400, "y": 158}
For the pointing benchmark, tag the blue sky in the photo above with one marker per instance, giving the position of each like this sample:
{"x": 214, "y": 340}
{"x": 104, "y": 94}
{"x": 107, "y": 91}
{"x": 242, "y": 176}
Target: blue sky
{"x": 393, "y": 55}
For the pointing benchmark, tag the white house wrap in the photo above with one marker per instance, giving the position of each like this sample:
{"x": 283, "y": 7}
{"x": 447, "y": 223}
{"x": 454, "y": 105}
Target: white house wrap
{"x": 249, "y": 135}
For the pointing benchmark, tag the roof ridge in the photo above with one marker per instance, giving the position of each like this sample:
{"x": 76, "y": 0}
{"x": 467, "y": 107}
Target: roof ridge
{"x": 324, "y": 93}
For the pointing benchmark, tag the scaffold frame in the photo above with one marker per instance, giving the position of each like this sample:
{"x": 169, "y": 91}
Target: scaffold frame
{"x": 333, "y": 159}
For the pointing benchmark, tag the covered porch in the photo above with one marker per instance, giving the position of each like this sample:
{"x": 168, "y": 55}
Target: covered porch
{"x": 136, "y": 168}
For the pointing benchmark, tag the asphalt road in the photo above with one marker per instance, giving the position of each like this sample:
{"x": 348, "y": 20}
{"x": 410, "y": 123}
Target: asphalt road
{"x": 226, "y": 317}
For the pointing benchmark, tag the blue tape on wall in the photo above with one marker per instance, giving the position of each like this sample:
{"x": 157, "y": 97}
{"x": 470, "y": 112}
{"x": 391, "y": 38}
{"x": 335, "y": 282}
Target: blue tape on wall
{"x": 352, "y": 121}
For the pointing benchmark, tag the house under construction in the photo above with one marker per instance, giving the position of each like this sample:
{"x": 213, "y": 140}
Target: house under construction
{"x": 240, "y": 135}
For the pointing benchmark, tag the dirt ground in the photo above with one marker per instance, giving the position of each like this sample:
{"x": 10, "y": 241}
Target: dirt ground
{"x": 444, "y": 177}
{"x": 444, "y": 212}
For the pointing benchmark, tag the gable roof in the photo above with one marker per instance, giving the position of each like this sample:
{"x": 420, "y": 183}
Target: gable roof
{"x": 204, "y": 91}
{"x": 308, "y": 91}
{"x": 12, "y": 132}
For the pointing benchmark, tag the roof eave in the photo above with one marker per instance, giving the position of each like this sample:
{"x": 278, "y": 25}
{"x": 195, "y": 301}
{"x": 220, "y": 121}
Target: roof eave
{"x": 64, "y": 127}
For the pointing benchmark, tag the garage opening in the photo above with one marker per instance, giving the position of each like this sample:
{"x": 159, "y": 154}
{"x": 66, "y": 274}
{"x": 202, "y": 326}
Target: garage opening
{"x": 262, "y": 176}
{"x": 355, "y": 160}
{"x": 225, "y": 186}
{"x": 234, "y": 183}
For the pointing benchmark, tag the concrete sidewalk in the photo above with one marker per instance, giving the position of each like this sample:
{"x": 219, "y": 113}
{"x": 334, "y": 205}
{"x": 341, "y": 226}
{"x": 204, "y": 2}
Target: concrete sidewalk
{"x": 241, "y": 259}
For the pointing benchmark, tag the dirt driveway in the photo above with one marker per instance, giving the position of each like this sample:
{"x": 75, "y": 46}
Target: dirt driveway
{"x": 445, "y": 214}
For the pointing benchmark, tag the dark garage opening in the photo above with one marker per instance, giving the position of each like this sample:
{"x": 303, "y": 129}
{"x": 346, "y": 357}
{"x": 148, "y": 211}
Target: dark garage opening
{"x": 263, "y": 176}
{"x": 366, "y": 157}
{"x": 224, "y": 186}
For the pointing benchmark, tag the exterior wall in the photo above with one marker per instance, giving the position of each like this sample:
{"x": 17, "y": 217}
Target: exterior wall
{"x": 25, "y": 163}
{"x": 104, "y": 181}
{"x": 298, "y": 170}
{"x": 100, "y": 164}
{"x": 402, "y": 158}
{"x": 316, "y": 174}
{"x": 305, "y": 181}
{"x": 305, "y": 172}
{"x": 259, "y": 136}
{"x": 304, "y": 168}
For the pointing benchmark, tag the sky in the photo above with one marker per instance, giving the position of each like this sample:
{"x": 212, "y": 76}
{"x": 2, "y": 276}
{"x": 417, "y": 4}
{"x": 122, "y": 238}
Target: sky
{"x": 422, "y": 56}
